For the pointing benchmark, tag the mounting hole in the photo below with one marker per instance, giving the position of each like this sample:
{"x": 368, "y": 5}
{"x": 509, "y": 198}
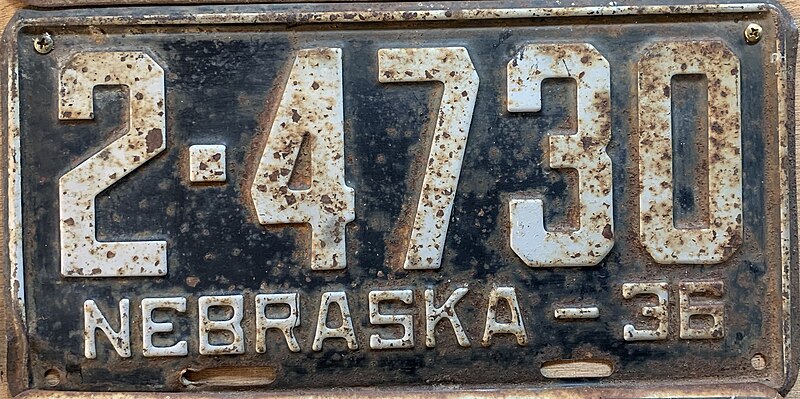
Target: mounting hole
{"x": 228, "y": 376}
{"x": 758, "y": 361}
{"x": 52, "y": 377}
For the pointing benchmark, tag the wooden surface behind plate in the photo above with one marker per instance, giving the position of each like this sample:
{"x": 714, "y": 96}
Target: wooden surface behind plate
{"x": 7, "y": 8}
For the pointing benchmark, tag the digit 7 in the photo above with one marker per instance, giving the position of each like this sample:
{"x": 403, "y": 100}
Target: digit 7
{"x": 453, "y": 67}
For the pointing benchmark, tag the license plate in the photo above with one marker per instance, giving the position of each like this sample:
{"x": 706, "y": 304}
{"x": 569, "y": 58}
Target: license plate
{"x": 448, "y": 197}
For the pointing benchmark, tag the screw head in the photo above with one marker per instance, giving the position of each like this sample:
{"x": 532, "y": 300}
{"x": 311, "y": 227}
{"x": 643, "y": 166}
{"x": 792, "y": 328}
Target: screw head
{"x": 759, "y": 362}
{"x": 752, "y": 33}
{"x": 43, "y": 44}
{"x": 52, "y": 377}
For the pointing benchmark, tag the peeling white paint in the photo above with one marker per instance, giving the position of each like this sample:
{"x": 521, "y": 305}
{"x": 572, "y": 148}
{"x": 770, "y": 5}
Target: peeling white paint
{"x": 207, "y": 163}
{"x": 434, "y": 315}
{"x": 310, "y": 109}
{"x": 659, "y": 312}
{"x": 702, "y": 291}
{"x": 584, "y": 151}
{"x": 406, "y": 321}
{"x": 150, "y": 327}
{"x": 285, "y": 325}
{"x": 94, "y": 320}
{"x": 82, "y": 255}
{"x": 717, "y": 242}
{"x": 452, "y": 67}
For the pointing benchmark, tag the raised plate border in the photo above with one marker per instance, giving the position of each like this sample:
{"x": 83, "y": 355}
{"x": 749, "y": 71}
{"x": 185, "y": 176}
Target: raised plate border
{"x": 290, "y": 13}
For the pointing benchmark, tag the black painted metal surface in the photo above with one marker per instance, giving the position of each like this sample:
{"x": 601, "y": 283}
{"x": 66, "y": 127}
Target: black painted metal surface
{"x": 222, "y": 86}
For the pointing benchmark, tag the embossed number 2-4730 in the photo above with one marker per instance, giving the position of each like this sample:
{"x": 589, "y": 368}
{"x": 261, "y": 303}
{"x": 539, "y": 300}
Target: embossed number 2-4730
{"x": 311, "y": 110}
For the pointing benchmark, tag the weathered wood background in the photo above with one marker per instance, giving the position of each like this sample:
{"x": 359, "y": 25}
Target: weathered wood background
{"x": 7, "y": 8}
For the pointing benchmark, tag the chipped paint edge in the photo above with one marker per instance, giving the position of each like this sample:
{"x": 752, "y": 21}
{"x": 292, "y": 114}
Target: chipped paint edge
{"x": 655, "y": 391}
{"x": 14, "y": 216}
{"x": 785, "y": 80}
{"x": 14, "y": 320}
{"x": 365, "y": 13}
{"x": 362, "y": 13}
{"x": 783, "y": 157}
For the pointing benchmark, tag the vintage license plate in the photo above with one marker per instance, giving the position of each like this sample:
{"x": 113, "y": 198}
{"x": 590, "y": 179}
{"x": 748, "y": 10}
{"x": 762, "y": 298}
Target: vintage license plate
{"x": 401, "y": 196}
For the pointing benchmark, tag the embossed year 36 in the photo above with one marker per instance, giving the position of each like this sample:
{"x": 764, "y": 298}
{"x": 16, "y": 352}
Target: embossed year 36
{"x": 247, "y": 197}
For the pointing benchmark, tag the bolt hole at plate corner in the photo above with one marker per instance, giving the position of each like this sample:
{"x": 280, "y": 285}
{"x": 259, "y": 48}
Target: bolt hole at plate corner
{"x": 758, "y": 361}
{"x": 52, "y": 377}
{"x": 577, "y": 368}
{"x": 228, "y": 377}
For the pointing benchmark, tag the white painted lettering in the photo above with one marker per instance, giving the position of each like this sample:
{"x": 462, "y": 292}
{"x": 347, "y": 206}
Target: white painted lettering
{"x": 493, "y": 326}
{"x": 233, "y": 325}
{"x": 345, "y": 330}
{"x": 434, "y": 315}
{"x": 659, "y": 312}
{"x": 453, "y": 67}
{"x": 82, "y": 255}
{"x": 311, "y": 109}
{"x": 150, "y": 327}
{"x": 666, "y": 243}
{"x": 715, "y": 310}
{"x": 375, "y": 317}
{"x": 584, "y": 151}
{"x": 94, "y": 320}
{"x": 285, "y": 325}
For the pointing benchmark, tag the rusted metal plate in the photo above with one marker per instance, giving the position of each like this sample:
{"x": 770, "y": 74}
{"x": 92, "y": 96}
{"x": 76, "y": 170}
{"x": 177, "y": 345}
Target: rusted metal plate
{"x": 403, "y": 197}
{"x": 83, "y": 3}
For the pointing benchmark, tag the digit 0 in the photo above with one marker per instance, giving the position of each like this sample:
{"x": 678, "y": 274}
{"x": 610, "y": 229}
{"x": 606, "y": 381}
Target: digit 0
{"x": 666, "y": 243}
